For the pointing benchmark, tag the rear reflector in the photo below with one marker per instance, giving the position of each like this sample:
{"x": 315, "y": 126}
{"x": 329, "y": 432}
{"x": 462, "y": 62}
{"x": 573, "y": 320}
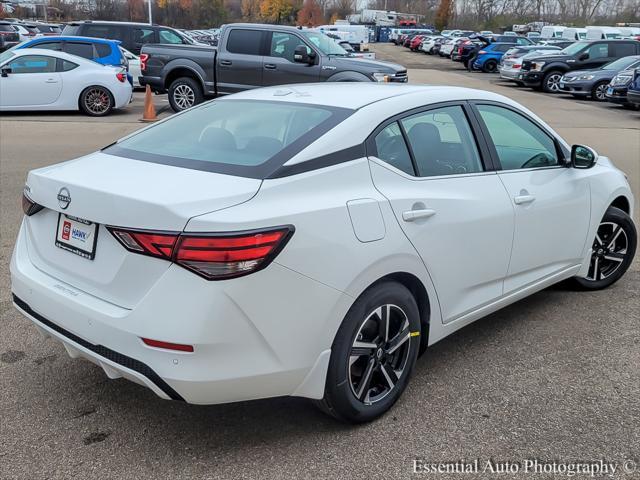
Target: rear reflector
{"x": 214, "y": 256}
{"x": 29, "y": 207}
{"x": 168, "y": 345}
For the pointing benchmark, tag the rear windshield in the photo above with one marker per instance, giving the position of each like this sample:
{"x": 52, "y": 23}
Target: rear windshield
{"x": 235, "y": 137}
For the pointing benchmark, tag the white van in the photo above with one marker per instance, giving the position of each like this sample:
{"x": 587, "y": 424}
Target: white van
{"x": 552, "y": 31}
{"x": 629, "y": 32}
{"x": 575, "y": 33}
{"x": 603, "y": 33}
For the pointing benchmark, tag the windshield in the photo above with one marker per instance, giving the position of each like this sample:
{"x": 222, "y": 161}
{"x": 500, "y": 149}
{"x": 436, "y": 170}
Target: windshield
{"x": 238, "y": 137}
{"x": 326, "y": 45}
{"x": 4, "y": 56}
{"x": 574, "y": 48}
{"x": 621, "y": 63}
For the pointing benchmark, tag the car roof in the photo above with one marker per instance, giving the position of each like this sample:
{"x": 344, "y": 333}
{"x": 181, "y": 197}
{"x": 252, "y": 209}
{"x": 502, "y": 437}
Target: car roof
{"x": 55, "y": 53}
{"x": 74, "y": 37}
{"x": 357, "y": 95}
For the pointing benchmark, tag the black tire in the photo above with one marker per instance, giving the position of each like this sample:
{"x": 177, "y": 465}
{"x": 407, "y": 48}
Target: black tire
{"x": 551, "y": 81}
{"x": 96, "y": 101}
{"x": 348, "y": 395}
{"x": 185, "y": 92}
{"x": 599, "y": 91}
{"x": 490, "y": 66}
{"x": 613, "y": 251}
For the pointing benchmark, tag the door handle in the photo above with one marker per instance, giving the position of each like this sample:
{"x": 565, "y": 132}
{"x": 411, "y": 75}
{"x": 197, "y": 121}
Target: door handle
{"x": 522, "y": 199}
{"x": 51, "y": 80}
{"x": 226, "y": 63}
{"x": 412, "y": 215}
{"x": 269, "y": 66}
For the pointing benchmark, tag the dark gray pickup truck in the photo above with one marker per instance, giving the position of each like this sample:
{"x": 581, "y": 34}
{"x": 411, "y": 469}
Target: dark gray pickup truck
{"x": 251, "y": 56}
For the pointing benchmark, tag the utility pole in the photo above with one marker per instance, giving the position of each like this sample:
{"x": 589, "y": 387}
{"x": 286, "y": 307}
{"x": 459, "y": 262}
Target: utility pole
{"x": 150, "y": 18}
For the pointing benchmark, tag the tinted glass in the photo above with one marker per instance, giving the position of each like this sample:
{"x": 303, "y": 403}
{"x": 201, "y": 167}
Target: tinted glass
{"x": 102, "y": 49}
{"x": 84, "y": 50}
{"x": 392, "y": 148}
{"x": 599, "y": 50}
{"x": 143, "y": 35}
{"x": 442, "y": 142}
{"x": 283, "y": 45}
{"x": 103, "y": 31}
{"x": 48, "y": 45}
{"x": 6, "y": 28}
{"x": 519, "y": 142}
{"x": 167, "y": 36}
{"x": 71, "y": 30}
{"x": 244, "y": 41}
{"x": 230, "y": 133}
{"x": 624, "y": 49}
{"x": 66, "y": 65}
{"x": 33, "y": 64}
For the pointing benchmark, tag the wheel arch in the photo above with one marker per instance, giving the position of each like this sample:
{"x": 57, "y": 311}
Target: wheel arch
{"x": 179, "y": 71}
{"x": 621, "y": 202}
{"x": 349, "y": 76}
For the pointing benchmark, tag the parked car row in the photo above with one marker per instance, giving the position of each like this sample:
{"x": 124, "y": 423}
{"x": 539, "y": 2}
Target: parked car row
{"x": 601, "y": 69}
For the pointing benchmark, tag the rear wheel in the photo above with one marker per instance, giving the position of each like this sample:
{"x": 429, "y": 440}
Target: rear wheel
{"x": 551, "y": 81}
{"x": 96, "y": 101}
{"x": 490, "y": 66}
{"x": 613, "y": 250}
{"x": 599, "y": 91}
{"x": 185, "y": 92}
{"x": 373, "y": 354}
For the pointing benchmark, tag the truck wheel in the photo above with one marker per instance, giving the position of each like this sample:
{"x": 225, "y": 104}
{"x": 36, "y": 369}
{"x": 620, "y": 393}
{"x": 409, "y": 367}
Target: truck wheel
{"x": 551, "y": 81}
{"x": 185, "y": 92}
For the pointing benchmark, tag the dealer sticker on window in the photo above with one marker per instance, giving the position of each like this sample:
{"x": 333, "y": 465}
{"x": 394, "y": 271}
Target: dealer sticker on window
{"x": 77, "y": 236}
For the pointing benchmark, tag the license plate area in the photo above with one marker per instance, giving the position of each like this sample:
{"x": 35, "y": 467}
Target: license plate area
{"x": 77, "y": 236}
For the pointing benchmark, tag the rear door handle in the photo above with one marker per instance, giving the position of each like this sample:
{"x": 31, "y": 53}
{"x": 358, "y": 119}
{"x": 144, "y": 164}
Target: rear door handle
{"x": 51, "y": 80}
{"x": 226, "y": 63}
{"x": 412, "y": 215}
{"x": 522, "y": 199}
{"x": 269, "y": 66}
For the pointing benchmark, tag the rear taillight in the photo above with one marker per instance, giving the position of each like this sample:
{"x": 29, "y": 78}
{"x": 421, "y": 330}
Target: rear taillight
{"x": 143, "y": 61}
{"x": 516, "y": 65}
{"x": 29, "y": 207}
{"x": 121, "y": 76}
{"x": 482, "y": 52}
{"x": 212, "y": 256}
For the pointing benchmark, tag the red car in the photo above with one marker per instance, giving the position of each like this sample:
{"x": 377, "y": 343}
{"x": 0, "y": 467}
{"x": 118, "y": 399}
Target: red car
{"x": 414, "y": 45}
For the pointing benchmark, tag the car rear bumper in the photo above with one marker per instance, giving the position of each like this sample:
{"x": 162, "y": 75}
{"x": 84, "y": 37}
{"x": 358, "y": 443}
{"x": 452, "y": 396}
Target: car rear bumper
{"x": 156, "y": 83}
{"x": 509, "y": 73}
{"x": 531, "y": 79}
{"x": 248, "y": 343}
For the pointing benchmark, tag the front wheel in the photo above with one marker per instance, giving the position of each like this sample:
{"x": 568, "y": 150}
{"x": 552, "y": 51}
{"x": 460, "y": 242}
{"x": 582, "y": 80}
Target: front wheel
{"x": 551, "y": 82}
{"x": 599, "y": 91}
{"x": 185, "y": 92}
{"x": 373, "y": 354}
{"x": 612, "y": 250}
{"x": 96, "y": 101}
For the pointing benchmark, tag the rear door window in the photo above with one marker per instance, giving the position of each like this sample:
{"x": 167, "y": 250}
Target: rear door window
{"x": 57, "y": 46}
{"x": 598, "y": 50}
{"x": 142, "y": 36}
{"x": 113, "y": 32}
{"x": 391, "y": 147}
{"x": 623, "y": 49}
{"x": 102, "y": 50}
{"x": 169, "y": 37}
{"x": 247, "y": 42}
{"x": 81, "y": 49}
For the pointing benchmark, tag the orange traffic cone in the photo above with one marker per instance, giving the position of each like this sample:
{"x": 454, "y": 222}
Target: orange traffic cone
{"x": 149, "y": 114}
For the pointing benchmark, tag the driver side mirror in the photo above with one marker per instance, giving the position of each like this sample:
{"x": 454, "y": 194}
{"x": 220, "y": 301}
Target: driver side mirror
{"x": 5, "y": 71}
{"x": 583, "y": 56}
{"x": 583, "y": 157}
{"x": 302, "y": 55}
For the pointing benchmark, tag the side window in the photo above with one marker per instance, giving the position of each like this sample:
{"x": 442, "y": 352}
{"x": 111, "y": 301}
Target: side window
{"x": 102, "y": 49}
{"x": 623, "y": 49}
{"x": 33, "y": 64}
{"x": 65, "y": 65}
{"x": 520, "y": 143}
{"x": 599, "y": 50}
{"x": 84, "y": 50}
{"x": 392, "y": 148}
{"x": 442, "y": 142}
{"x": 103, "y": 31}
{"x": 284, "y": 45}
{"x": 167, "y": 36}
{"x": 143, "y": 35}
{"x": 48, "y": 46}
{"x": 246, "y": 42}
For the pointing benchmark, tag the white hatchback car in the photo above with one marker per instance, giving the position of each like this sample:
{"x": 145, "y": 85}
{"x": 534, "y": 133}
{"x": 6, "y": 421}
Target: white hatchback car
{"x": 310, "y": 240}
{"x": 42, "y": 79}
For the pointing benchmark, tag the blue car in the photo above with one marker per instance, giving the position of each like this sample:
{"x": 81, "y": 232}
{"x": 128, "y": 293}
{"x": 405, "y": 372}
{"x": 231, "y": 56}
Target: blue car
{"x": 101, "y": 50}
{"x": 633, "y": 93}
{"x": 489, "y": 57}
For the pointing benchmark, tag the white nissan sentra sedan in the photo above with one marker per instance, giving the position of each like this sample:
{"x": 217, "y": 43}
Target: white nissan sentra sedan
{"x": 311, "y": 240}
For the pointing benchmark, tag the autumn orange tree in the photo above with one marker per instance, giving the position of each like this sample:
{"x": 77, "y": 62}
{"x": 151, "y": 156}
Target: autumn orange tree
{"x": 443, "y": 14}
{"x": 276, "y": 11}
{"x": 310, "y": 15}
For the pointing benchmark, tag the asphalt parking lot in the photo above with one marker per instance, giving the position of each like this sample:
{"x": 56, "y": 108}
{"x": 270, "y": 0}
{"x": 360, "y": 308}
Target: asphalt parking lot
{"x": 553, "y": 377}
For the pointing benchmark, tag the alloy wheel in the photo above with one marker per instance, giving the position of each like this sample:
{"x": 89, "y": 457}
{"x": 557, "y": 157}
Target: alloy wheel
{"x": 600, "y": 92}
{"x": 553, "y": 82}
{"x": 379, "y": 354}
{"x": 184, "y": 96}
{"x": 97, "y": 101}
{"x": 609, "y": 251}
